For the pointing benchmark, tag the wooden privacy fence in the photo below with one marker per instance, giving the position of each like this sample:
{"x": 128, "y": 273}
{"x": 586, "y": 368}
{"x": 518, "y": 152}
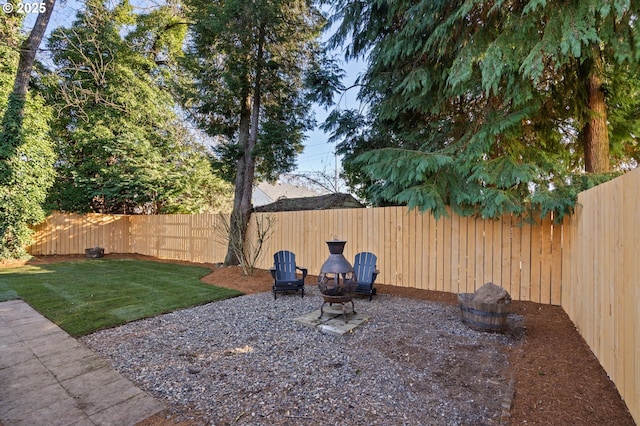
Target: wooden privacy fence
{"x": 72, "y": 233}
{"x": 601, "y": 283}
{"x": 179, "y": 237}
{"x": 454, "y": 254}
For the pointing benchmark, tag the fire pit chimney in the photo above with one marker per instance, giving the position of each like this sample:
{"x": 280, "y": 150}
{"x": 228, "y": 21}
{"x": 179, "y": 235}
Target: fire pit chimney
{"x": 336, "y": 263}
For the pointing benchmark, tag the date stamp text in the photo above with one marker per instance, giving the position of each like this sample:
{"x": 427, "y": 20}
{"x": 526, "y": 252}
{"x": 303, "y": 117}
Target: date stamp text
{"x": 24, "y": 8}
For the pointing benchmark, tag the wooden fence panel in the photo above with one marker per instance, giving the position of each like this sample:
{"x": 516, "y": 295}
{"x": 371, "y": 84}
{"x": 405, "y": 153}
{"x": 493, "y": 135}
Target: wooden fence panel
{"x": 505, "y": 253}
{"x": 458, "y": 240}
{"x": 454, "y": 254}
{"x": 447, "y": 251}
{"x": 434, "y": 255}
{"x": 487, "y": 254}
{"x": 601, "y": 284}
{"x": 627, "y": 302}
{"x": 515, "y": 261}
{"x": 546, "y": 256}
{"x": 180, "y": 237}
{"x": 72, "y": 234}
{"x": 470, "y": 267}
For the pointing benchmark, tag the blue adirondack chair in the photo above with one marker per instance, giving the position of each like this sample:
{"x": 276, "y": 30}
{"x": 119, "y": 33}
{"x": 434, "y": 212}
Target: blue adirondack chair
{"x": 364, "y": 268}
{"x": 284, "y": 273}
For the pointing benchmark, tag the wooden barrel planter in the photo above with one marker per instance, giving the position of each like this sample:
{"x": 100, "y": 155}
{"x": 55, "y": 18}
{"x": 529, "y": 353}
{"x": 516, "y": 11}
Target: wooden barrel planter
{"x": 489, "y": 317}
{"x": 94, "y": 252}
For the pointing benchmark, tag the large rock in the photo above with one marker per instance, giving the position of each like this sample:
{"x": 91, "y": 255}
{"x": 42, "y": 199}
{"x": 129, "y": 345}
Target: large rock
{"x": 491, "y": 293}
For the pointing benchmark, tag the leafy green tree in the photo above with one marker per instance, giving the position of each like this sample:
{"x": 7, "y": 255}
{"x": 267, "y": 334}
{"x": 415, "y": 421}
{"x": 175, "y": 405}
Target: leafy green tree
{"x": 26, "y": 155}
{"x": 252, "y": 62}
{"x": 489, "y": 106}
{"x": 123, "y": 148}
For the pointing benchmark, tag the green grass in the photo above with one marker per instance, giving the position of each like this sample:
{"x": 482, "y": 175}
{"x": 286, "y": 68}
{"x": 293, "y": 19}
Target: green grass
{"x": 85, "y": 296}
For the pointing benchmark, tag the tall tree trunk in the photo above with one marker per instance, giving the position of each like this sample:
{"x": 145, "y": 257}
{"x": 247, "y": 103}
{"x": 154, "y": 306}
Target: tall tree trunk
{"x": 11, "y": 135}
{"x": 30, "y": 47}
{"x": 245, "y": 173}
{"x": 239, "y": 211}
{"x": 595, "y": 133}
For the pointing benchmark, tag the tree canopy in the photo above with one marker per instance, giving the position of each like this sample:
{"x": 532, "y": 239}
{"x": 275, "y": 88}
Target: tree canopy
{"x": 252, "y": 63}
{"x": 490, "y": 107}
{"x": 123, "y": 148}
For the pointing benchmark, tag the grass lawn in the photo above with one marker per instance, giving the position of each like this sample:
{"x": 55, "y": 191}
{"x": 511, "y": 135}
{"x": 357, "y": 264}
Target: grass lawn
{"x": 85, "y": 296}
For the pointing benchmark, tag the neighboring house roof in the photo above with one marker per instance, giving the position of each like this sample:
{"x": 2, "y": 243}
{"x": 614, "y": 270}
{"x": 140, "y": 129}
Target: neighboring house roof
{"x": 260, "y": 198}
{"x": 265, "y": 193}
{"x": 322, "y": 202}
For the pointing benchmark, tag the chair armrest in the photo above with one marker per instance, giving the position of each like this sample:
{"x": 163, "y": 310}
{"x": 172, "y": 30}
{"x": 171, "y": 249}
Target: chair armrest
{"x": 273, "y": 272}
{"x": 375, "y": 275}
{"x": 303, "y": 270}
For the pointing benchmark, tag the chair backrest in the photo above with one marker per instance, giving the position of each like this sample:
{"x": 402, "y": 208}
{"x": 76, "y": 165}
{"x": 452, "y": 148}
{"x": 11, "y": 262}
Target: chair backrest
{"x": 285, "y": 264}
{"x": 364, "y": 266}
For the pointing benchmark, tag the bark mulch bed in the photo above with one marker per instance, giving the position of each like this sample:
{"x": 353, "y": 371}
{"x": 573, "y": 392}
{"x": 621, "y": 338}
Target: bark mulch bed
{"x": 558, "y": 380}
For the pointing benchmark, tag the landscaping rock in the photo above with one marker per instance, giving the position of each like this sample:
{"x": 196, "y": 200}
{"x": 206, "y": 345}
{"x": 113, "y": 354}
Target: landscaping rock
{"x": 491, "y": 293}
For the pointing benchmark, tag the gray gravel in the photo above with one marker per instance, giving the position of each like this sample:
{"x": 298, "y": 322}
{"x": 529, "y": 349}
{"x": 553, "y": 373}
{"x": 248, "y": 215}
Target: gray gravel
{"x": 246, "y": 361}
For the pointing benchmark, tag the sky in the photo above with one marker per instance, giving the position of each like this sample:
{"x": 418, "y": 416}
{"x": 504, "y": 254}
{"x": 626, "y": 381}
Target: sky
{"x": 318, "y": 155}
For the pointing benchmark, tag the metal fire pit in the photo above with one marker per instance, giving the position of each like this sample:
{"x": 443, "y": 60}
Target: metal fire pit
{"x": 336, "y": 281}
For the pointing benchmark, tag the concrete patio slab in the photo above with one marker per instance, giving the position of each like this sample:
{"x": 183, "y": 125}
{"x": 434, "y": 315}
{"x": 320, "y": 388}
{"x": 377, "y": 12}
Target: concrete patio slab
{"x": 332, "y": 320}
{"x": 49, "y": 378}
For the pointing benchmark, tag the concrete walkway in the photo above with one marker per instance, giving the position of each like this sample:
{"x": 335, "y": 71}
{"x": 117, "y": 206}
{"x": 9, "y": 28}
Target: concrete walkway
{"x": 49, "y": 378}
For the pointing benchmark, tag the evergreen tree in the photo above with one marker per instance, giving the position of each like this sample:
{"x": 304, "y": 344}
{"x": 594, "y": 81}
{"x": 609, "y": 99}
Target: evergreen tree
{"x": 249, "y": 61}
{"x": 490, "y": 105}
{"x": 123, "y": 148}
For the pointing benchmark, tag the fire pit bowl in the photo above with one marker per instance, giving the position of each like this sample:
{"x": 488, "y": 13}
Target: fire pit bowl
{"x": 337, "y": 281}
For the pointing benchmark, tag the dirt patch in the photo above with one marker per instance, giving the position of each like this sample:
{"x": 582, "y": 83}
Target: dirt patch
{"x": 557, "y": 379}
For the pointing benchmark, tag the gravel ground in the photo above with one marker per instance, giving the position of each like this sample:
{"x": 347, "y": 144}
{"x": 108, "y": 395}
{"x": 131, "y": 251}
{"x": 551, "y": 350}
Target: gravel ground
{"x": 246, "y": 361}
